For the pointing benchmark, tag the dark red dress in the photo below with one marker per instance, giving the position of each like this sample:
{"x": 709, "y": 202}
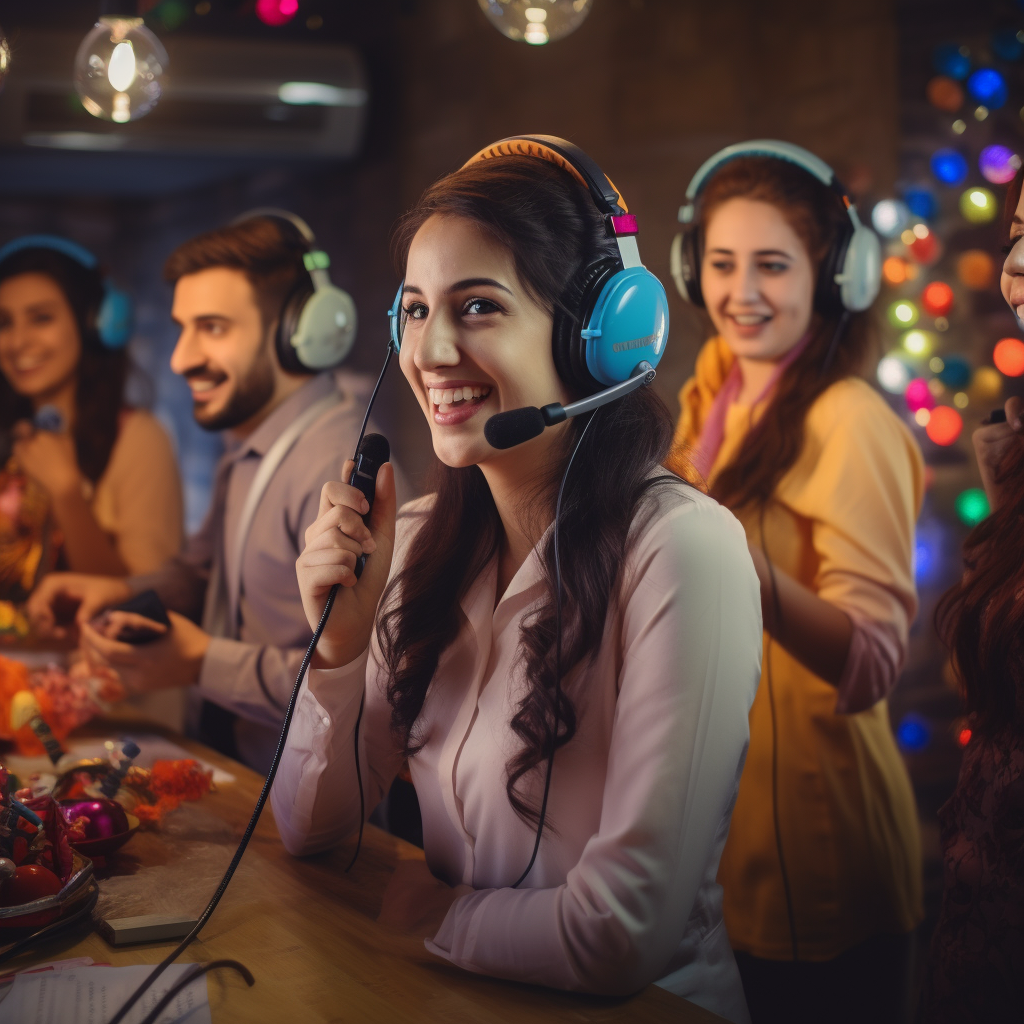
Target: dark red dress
{"x": 975, "y": 971}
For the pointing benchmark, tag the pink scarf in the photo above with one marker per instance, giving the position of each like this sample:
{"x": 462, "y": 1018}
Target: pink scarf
{"x": 713, "y": 432}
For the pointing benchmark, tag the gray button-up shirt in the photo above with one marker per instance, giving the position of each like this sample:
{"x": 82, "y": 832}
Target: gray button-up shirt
{"x": 254, "y": 674}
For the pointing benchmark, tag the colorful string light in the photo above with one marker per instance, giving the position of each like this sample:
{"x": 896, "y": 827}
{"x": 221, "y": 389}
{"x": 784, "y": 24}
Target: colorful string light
{"x": 1009, "y": 357}
{"x": 937, "y": 298}
{"x": 998, "y": 164}
{"x": 949, "y": 166}
{"x": 978, "y": 205}
{"x": 944, "y": 426}
{"x": 972, "y": 506}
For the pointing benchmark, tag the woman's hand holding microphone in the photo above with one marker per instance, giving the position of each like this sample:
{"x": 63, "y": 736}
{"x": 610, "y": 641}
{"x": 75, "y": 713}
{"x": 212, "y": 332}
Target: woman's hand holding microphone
{"x": 333, "y": 544}
{"x": 993, "y": 442}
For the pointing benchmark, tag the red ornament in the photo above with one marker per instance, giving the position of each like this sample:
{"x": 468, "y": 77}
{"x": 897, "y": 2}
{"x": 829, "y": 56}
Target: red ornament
{"x": 937, "y": 299}
{"x": 30, "y": 882}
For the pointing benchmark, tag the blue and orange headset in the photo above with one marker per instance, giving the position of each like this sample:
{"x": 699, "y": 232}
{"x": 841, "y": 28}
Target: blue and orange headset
{"x": 851, "y": 272}
{"x": 619, "y": 310}
{"x": 115, "y": 318}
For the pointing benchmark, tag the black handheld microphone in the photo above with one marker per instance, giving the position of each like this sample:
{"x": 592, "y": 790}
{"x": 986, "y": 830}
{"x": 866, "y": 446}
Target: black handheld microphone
{"x": 372, "y": 453}
{"x": 507, "y": 429}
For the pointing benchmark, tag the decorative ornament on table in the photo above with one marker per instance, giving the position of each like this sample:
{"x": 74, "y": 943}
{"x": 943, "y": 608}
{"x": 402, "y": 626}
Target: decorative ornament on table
{"x": 119, "y": 68}
{"x": 64, "y": 699}
{"x": 535, "y": 21}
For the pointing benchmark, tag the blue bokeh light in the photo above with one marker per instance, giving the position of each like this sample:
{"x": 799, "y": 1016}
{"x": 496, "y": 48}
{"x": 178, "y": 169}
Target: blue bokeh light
{"x": 949, "y": 166}
{"x": 921, "y": 202}
{"x": 913, "y": 733}
{"x": 949, "y": 59}
{"x": 1006, "y": 45}
{"x": 989, "y": 87}
{"x": 956, "y": 373}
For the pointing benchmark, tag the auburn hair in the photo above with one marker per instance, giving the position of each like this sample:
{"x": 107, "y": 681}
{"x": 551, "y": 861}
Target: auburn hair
{"x": 981, "y": 618}
{"x": 101, "y": 374}
{"x": 818, "y": 218}
{"x": 551, "y": 228}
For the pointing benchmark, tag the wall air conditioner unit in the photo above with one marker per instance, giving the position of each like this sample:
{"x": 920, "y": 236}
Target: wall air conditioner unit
{"x": 222, "y": 97}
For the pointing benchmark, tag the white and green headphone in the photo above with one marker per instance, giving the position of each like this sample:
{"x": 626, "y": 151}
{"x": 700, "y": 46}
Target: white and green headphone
{"x": 317, "y": 323}
{"x": 851, "y": 272}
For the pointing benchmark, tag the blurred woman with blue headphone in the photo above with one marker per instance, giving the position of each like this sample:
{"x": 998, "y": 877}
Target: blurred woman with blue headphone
{"x": 563, "y": 639}
{"x": 822, "y": 868}
{"x": 89, "y": 484}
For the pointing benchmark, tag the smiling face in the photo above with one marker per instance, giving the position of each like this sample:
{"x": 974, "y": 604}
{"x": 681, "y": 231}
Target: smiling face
{"x": 1011, "y": 281}
{"x": 757, "y": 279}
{"x": 40, "y": 345}
{"x": 223, "y": 351}
{"x": 475, "y": 342}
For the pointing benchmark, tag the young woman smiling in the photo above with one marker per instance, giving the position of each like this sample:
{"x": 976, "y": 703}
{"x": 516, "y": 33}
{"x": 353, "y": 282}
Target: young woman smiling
{"x": 821, "y": 871}
{"x": 109, "y": 476}
{"x": 450, "y": 636}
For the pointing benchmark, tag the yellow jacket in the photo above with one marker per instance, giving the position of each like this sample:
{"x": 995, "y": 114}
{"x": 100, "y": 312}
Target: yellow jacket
{"x": 841, "y": 522}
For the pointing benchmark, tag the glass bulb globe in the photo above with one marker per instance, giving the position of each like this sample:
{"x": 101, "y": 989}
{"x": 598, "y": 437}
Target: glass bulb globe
{"x": 119, "y": 69}
{"x": 535, "y": 21}
{"x": 5, "y": 57}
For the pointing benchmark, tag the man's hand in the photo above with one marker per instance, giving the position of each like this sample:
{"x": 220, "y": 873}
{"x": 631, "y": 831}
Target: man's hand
{"x": 175, "y": 659}
{"x": 992, "y": 443}
{"x": 63, "y": 594}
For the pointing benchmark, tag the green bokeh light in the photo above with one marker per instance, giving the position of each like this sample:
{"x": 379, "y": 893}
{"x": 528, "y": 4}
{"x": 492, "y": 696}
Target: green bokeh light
{"x": 972, "y": 506}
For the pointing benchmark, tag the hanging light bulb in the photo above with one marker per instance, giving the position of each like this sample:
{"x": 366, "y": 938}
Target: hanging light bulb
{"x": 5, "y": 57}
{"x": 119, "y": 68}
{"x": 535, "y": 21}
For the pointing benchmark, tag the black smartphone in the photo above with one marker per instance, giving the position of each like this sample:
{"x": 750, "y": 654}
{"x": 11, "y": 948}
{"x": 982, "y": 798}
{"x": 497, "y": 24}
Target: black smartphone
{"x": 149, "y": 606}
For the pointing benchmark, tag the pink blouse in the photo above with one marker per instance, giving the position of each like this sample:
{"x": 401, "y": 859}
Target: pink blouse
{"x": 624, "y": 893}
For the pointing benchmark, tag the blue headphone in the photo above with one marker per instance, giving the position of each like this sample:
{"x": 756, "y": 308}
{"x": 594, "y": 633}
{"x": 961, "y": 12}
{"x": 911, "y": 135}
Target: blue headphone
{"x": 851, "y": 272}
{"x": 115, "y": 319}
{"x": 619, "y": 310}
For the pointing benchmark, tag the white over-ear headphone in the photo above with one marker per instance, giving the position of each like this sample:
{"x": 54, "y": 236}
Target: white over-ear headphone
{"x": 851, "y": 272}
{"x": 317, "y": 323}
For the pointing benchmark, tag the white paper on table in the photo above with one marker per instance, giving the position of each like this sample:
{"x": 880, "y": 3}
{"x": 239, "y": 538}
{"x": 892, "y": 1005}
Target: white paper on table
{"x": 92, "y": 995}
{"x": 151, "y": 748}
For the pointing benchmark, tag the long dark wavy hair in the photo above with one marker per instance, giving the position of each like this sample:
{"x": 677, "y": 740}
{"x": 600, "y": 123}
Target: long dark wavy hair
{"x": 551, "y": 228}
{"x": 102, "y": 372}
{"x": 981, "y": 618}
{"x": 814, "y": 212}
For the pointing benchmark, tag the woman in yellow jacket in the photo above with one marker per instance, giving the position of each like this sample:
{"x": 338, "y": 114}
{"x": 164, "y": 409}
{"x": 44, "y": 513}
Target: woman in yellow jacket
{"x": 822, "y": 868}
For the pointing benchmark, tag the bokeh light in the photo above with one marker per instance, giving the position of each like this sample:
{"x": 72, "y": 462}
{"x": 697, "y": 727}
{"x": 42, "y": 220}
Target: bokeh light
{"x": 937, "y": 298}
{"x": 949, "y": 166}
{"x": 976, "y": 269}
{"x": 945, "y": 94}
{"x": 950, "y": 59}
{"x": 960, "y": 400}
{"x": 903, "y": 313}
{"x": 924, "y": 246}
{"x": 963, "y": 737}
{"x": 980, "y": 112}
{"x": 1009, "y": 357}
{"x": 918, "y": 395}
{"x": 913, "y": 734}
{"x": 936, "y": 387}
{"x": 917, "y": 343}
{"x": 1006, "y": 44}
{"x": 955, "y": 371}
{"x": 921, "y": 202}
{"x": 893, "y": 374}
{"x": 922, "y": 416}
{"x": 978, "y": 205}
{"x": 959, "y": 126}
{"x": 276, "y": 12}
{"x": 988, "y": 86}
{"x": 944, "y": 426}
{"x": 972, "y": 506}
{"x": 998, "y": 164}
{"x": 889, "y": 217}
{"x": 986, "y": 384}
{"x": 894, "y": 270}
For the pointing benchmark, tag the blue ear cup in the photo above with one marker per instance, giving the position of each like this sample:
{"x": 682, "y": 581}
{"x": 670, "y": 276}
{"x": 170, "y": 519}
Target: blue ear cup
{"x": 395, "y": 315}
{"x": 115, "y": 318}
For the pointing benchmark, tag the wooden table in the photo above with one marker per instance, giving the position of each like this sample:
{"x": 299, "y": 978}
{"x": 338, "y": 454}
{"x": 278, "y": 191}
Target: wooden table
{"x": 307, "y": 930}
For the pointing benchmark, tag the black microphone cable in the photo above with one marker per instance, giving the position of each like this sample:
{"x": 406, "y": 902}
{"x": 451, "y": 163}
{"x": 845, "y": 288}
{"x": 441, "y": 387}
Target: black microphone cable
{"x": 264, "y": 793}
{"x": 558, "y": 653}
